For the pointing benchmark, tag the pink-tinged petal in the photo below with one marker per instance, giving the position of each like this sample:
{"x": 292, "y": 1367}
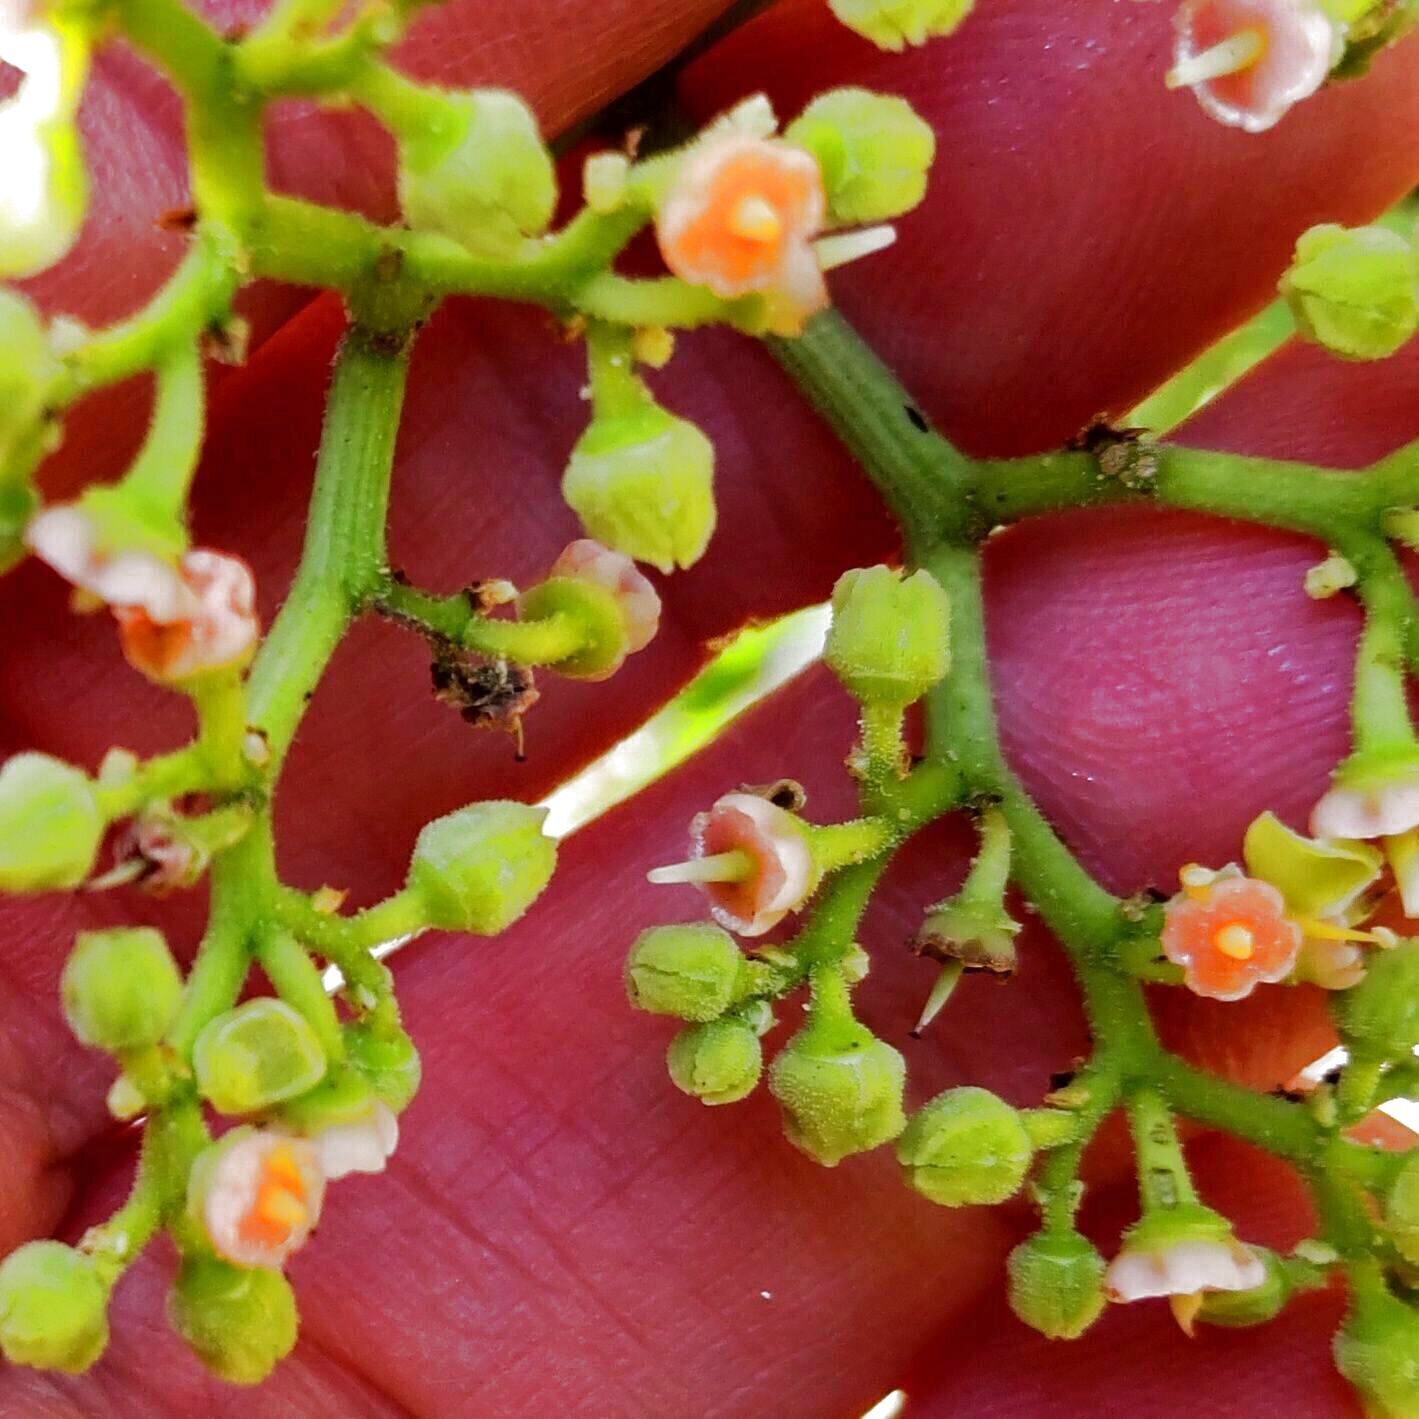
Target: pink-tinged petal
{"x": 1381, "y": 810}
{"x": 260, "y": 1197}
{"x": 1332, "y": 965}
{"x": 1186, "y": 1268}
{"x": 639, "y": 601}
{"x": 1295, "y": 41}
{"x": 784, "y": 875}
{"x": 363, "y": 1145}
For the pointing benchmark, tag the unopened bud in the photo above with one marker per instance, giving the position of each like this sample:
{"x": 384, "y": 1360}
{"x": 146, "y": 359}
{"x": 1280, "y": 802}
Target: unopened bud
{"x": 120, "y": 988}
{"x": 480, "y": 868}
{"x": 685, "y": 971}
{"x": 1057, "y": 1284}
{"x": 387, "y": 1058}
{"x": 240, "y": 1320}
{"x": 718, "y": 1062}
{"x": 53, "y": 1308}
{"x": 965, "y": 1147}
{"x": 889, "y": 638}
{"x": 1381, "y": 1014}
{"x": 50, "y": 825}
{"x": 893, "y": 24}
{"x": 1377, "y": 1350}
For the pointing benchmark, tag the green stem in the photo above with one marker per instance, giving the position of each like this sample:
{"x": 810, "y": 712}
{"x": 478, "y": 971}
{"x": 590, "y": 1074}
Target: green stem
{"x": 1164, "y": 1182}
{"x": 343, "y": 561}
{"x": 616, "y": 390}
{"x": 338, "y": 937}
{"x": 117, "y": 1243}
{"x": 220, "y": 699}
{"x": 925, "y": 481}
{"x": 162, "y": 473}
{"x": 299, "y": 984}
{"x": 837, "y": 845}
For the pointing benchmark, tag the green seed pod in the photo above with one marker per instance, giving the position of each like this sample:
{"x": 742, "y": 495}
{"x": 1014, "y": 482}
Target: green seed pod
{"x": 388, "y": 1060}
{"x": 840, "y": 1088}
{"x": 26, "y": 366}
{"x": 1057, "y": 1284}
{"x": 643, "y": 484}
{"x": 50, "y": 825}
{"x": 1377, "y": 1350}
{"x": 873, "y": 149}
{"x": 1353, "y": 291}
{"x": 718, "y": 1062}
{"x": 889, "y": 639}
{"x": 1255, "y": 1307}
{"x": 241, "y": 1321}
{"x": 686, "y": 971}
{"x": 256, "y": 1055}
{"x": 53, "y": 1308}
{"x": 1380, "y": 1015}
{"x": 120, "y": 988}
{"x": 893, "y": 24}
{"x": 1402, "y": 1212}
{"x": 480, "y": 868}
{"x": 482, "y": 175}
{"x": 965, "y": 1147}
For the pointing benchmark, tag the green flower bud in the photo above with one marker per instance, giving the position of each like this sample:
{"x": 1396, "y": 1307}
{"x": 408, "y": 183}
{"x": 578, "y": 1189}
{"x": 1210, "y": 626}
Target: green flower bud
{"x": 1380, "y": 1015}
{"x": 1377, "y": 1350}
{"x": 480, "y": 868}
{"x": 965, "y": 1147}
{"x": 686, "y": 971}
{"x": 481, "y": 174}
{"x": 643, "y": 483}
{"x": 256, "y": 1055}
{"x": 873, "y": 149}
{"x": 893, "y": 24}
{"x": 840, "y": 1088}
{"x": 50, "y": 825}
{"x": 240, "y": 1320}
{"x": 1057, "y": 1284}
{"x": 387, "y": 1058}
{"x": 120, "y": 988}
{"x": 1255, "y": 1307}
{"x": 1402, "y": 1212}
{"x": 718, "y": 1062}
{"x": 53, "y": 1308}
{"x": 889, "y": 641}
{"x": 26, "y": 366}
{"x": 1353, "y": 291}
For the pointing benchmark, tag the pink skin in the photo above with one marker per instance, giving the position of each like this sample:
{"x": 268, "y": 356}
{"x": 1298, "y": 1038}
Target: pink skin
{"x": 638, "y": 599}
{"x": 1301, "y": 44}
{"x": 566, "y": 1283}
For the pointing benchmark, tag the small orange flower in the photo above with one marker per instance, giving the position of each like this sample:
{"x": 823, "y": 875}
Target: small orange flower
{"x": 740, "y": 218}
{"x": 216, "y": 629}
{"x": 1229, "y": 935}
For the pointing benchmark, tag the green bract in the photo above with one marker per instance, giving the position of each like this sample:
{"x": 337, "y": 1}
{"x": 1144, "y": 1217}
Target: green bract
{"x": 718, "y": 1062}
{"x": 481, "y": 174}
{"x": 889, "y": 640}
{"x": 1353, "y": 290}
{"x": 1402, "y": 1212}
{"x": 120, "y": 988}
{"x": 240, "y": 1320}
{"x": 1056, "y": 1284}
{"x": 50, "y": 824}
{"x": 26, "y": 365}
{"x": 686, "y": 971}
{"x": 255, "y": 1056}
{"x": 1381, "y": 1014}
{"x": 965, "y": 1147}
{"x": 387, "y": 1058}
{"x": 53, "y": 1308}
{"x": 643, "y": 483}
{"x": 1317, "y": 877}
{"x": 1377, "y": 1350}
{"x": 893, "y": 24}
{"x": 480, "y": 868}
{"x": 841, "y": 1090}
{"x": 873, "y": 149}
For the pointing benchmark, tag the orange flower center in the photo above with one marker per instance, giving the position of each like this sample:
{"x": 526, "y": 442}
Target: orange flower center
{"x": 1235, "y": 940}
{"x": 754, "y": 219}
{"x": 280, "y": 1204}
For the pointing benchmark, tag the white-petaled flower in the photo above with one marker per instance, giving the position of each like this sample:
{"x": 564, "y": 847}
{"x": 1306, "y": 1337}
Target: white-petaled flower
{"x": 1331, "y": 964}
{"x": 359, "y": 1145}
{"x": 1382, "y": 807}
{"x": 216, "y": 627}
{"x": 740, "y": 217}
{"x": 42, "y": 186}
{"x": 638, "y": 601}
{"x": 68, "y": 539}
{"x": 1249, "y": 61}
{"x": 752, "y": 859}
{"x": 1181, "y": 1255}
{"x": 257, "y": 1194}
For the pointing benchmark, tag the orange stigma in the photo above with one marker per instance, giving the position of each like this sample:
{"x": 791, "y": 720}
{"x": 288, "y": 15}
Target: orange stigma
{"x": 1236, "y": 940}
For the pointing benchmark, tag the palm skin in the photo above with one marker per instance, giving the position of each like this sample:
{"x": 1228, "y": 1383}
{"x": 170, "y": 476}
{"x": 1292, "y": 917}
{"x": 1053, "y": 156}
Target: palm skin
{"x": 561, "y": 1232}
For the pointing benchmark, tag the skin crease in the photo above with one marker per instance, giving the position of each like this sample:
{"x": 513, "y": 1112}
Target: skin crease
{"x": 561, "y": 1232}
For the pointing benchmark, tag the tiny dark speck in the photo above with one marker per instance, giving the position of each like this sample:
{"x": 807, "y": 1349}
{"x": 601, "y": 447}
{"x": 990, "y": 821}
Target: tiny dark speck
{"x": 916, "y": 416}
